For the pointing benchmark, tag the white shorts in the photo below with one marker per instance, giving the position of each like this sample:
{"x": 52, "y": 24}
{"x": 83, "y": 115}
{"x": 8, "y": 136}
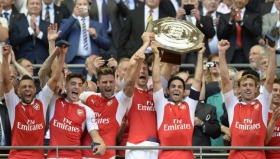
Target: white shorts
{"x": 142, "y": 154}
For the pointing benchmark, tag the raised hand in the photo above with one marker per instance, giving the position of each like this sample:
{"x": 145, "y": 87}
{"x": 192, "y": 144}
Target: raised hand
{"x": 269, "y": 48}
{"x": 196, "y": 13}
{"x": 146, "y": 37}
{"x": 33, "y": 22}
{"x": 78, "y": 10}
{"x": 13, "y": 58}
{"x": 233, "y": 15}
{"x": 6, "y": 50}
{"x": 98, "y": 62}
{"x": 155, "y": 46}
{"x": 180, "y": 13}
{"x": 223, "y": 45}
{"x": 202, "y": 48}
{"x": 112, "y": 63}
{"x": 52, "y": 32}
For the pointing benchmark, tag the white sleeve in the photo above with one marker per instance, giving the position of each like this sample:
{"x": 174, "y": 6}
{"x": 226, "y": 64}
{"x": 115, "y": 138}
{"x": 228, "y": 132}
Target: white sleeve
{"x": 52, "y": 106}
{"x": 230, "y": 102}
{"x": 84, "y": 96}
{"x": 124, "y": 103}
{"x": 122, "y": 84}
{"x": 45, "y": 97}
{"x": 164, "y": 82}
{"x": 192, "y": 106}
{"x": 90, "y": 120}
{"x": 160, "y": 102}
{"x": 11, "y": 100}
{"x": 265, "y": 100}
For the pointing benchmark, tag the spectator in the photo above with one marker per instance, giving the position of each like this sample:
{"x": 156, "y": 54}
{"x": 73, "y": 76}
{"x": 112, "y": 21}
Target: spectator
{"x": 27, "y": 65}
{"x": 271, "y": 24}
{"x": 248, "y": 118}
{"x": 110, "y": 118}
{"x": 135, "y": 25}
{"x": 91, "y": 87}
{"x": 108, "y": 13}
{"x": 255, "y": 55}
{"x": 225, "y": 6}
{"x": 10, "y": 13}
{"x": 264, "y": 62}
{"x": 268, "y": 7}
{"x": 209, "y": 8}
{"x": 69, "y": 119}
{"x": 273, "y": 130}
{"x": 92, "y": 36}
{"x": 203, "y": 23}
{"x": 5, "y": 126}
{"x": 29, "y": 35}
{"x": 206, "y": 124}
{"x": 21, "y": 110}
{"x": 175, "y": 118}
{"x": 52, "y": 13}
{"x": 243, "y": 29}
{"x": 4, "y": 31}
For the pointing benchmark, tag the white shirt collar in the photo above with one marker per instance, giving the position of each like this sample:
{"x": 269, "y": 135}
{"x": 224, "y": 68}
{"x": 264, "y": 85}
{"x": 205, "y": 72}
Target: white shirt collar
{"x": 78, "y": 102}
{"x": 9, "y": 11}
{"x": 243, "y": 10}
{"x": 147, "y": 9}
{"x": 86, "y": 18}
{"x": 50, "y": 5}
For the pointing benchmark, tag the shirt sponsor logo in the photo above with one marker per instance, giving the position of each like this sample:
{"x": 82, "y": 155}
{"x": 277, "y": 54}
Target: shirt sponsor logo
{"x": 65, "y": 125}
{"x": 149, "y": 106}
{"x": 101, "y": 120}
{"x": 36, "y": 106}
{"x": 177, "y": 125}
{"x": 80, "y": 112}
{"x": 247, "y": 125}
{"x": 30, "y": 126}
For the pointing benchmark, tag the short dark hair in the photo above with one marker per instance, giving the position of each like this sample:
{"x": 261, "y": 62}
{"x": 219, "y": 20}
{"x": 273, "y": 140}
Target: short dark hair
{"x": 75, "y": 75}
{"x": 175, "y": 78}
{"x": 277, "y": 80}
{"x": 252, "y": 72}
{"x": 26, "y": 77}
{"x": 105, "y": 70}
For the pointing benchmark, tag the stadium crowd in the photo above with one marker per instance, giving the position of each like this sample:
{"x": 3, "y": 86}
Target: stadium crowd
{"x": 125, "y": 95}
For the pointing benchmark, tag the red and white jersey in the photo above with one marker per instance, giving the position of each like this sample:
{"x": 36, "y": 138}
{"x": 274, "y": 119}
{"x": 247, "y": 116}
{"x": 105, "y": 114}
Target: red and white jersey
{"x": 67, "y": 123}
{"x": 108, "y": 115}
{"x": 142, "y": 117}
{"x": 28, "y": 122}
{"x": 175, "y": 125}
{"x": 247, "y": 124}
{"x": 274, "y": 141}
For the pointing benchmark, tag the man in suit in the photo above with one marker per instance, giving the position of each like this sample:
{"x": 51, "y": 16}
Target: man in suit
{"x": 10, "y": 12}
{"x": 134, "y": 26}
{"x": 203, "y": 23}
{"x": 86, "y": 36}
{"x": 29, "y": 35}
{"x": 52, "y": 13}
{"x": 209, "y": 8}
{"x": 243, "y": 29}
{"x": 271, "y": 25}
{"x": 108, "y": 12}
{"x": 5, "y": 128}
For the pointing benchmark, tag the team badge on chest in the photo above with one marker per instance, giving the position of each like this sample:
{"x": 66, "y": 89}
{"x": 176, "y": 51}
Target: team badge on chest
{"x": 183, "y": 106}
{"x": 256, "y": 106}
{"x": 80, "y": 112}
{"x": 36, "y": 106}
{"x": 109, "y": 102}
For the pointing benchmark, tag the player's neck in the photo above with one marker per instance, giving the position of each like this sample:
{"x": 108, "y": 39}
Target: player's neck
{"x": 248, "y": 101}
{"x": 141, "y": 87}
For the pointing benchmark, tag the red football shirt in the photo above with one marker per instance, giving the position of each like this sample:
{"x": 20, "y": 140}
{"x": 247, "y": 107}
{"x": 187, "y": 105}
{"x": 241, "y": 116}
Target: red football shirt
{"x": 142, "y": 117}
{"x": 108, "y": 116}
{"x": 248, "y": 124}
{"x": 274, "y": 141}
{"x": 67, "y": 123}
{"x": 28, "y": 123}
{"x": 175, "y": 125}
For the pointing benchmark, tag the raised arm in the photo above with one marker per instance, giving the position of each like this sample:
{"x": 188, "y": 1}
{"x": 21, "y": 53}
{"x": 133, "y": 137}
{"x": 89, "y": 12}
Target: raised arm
{"x": 58, "y": 68}
{"x": 156, "y": 68}
{"x": 19, "y": 68}
{"x": 223, "y": 45}
{"x": 199, "y": 68}
{"x": 7, "y": 84}
{"x": 135, "y": 65}
{"x": 52, "y": 36}
{"x": 270, "y": 73}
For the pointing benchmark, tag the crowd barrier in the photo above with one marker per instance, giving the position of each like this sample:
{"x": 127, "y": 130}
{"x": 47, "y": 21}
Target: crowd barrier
{"x": 197, "y": 155}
